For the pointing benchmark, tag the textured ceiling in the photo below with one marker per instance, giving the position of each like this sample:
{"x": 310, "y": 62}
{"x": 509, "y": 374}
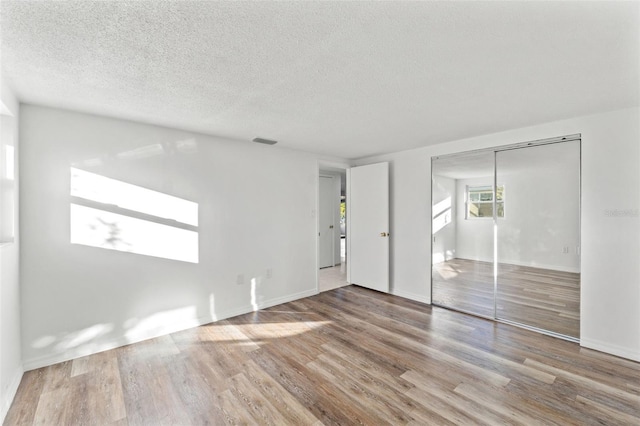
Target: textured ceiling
{"x": 349, "y": 79}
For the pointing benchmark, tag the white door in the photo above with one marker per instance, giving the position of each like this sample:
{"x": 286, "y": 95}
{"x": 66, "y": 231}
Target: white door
{"x": 326, "y": 222}
{"x": 368, "y": 220}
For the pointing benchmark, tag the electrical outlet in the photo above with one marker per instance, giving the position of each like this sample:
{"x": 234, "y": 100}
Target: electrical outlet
{"x": 269, "y": 273}
{"x": 565, "y": 249}
{"x": 240, "y": 279}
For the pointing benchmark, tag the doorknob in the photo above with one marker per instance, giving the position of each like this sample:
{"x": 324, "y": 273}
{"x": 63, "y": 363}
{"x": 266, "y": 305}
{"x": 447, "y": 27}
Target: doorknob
{"x": 384, "y": 234}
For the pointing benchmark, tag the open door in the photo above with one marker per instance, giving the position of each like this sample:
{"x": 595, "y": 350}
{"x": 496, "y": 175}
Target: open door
{"x": 368, "y": 220}
{"x": 326, "y": 230}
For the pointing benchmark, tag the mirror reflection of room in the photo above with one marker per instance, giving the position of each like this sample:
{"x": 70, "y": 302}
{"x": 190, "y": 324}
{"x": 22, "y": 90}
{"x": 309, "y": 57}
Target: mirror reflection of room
{"x": 462, "y": 233}
{"x": 506, "y": 240}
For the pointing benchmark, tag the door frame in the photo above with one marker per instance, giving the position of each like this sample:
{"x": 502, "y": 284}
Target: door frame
{"x": 330, "y": 166}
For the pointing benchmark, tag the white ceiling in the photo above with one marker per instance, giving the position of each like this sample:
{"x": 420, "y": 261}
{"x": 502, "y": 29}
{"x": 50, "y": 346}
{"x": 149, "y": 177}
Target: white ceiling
{"x": 349, "y": 79}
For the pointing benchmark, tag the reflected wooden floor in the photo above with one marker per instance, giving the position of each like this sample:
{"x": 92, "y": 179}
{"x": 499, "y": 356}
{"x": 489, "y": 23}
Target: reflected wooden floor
{"x": 542, "y": 298}
{"x": 346, "y": 356}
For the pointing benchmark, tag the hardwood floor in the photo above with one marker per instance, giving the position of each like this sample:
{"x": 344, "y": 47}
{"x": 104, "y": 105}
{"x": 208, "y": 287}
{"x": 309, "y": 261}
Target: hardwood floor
{"x": 541, "y": 298}
{"x": 346, "y": 356}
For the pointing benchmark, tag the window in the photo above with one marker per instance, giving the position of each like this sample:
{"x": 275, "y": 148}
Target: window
{"x": 480, "y": 201}
{"x": 7, "y": 177}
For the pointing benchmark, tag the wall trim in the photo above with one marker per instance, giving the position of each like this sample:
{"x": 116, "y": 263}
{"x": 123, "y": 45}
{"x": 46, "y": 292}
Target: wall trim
{"x": 609, "y": 349}
{"x": 50, "y": 359}
{"x": 527, "y": 264}
{"x": 413, "y": 296}
{"x": 8, "y": 397}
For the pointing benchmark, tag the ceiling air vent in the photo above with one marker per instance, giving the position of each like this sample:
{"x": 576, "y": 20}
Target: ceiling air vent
{"x": 265, "y": 141}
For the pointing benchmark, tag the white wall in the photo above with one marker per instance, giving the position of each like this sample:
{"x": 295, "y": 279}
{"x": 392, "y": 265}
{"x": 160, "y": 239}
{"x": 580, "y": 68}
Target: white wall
{"x": 542, "y": 204}
{"x": 610, "y": 221}
{"x": 256, "y": 213}
{"x": 10, "y": 357}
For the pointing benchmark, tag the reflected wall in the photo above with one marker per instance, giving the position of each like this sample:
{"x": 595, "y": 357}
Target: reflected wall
{"x": 506, "y": 234}
{"x": 462, "y": 273}
{"x": 538, "y": 241}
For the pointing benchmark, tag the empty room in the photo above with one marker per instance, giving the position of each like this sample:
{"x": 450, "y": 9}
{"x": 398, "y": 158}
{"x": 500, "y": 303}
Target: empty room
{"x": 319, "y": 212}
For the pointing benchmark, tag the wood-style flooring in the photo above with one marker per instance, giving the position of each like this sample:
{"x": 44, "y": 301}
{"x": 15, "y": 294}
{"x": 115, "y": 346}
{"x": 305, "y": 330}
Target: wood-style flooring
{"x": 346, "y": 356}
{"x": 542, "y": 298}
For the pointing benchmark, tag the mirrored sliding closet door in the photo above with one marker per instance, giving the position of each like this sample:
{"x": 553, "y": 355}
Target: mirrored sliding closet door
{"x": 538, "y": 237}
{"x": 462, "y": 240}
{"x": 506, "y": 234}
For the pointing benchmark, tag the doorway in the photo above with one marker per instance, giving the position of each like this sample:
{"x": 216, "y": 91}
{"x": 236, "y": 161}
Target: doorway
{"x": 506, "y": 234}
{"x": 332, "y": 237}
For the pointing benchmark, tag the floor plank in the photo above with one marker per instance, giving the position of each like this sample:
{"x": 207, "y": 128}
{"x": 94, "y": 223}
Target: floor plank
{"x": 542, "y": 298}
{"x": 346, "y": 356}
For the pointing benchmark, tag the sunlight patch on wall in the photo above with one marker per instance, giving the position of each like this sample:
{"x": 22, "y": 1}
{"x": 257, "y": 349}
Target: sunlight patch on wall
{"x": 441, "y": 214}
{"x": 254, "y": 283}
{"x": 84, "y": 336}
{"x": 75, "y": 339}
{"x": 94, "y": 187}
{"x": 9, "y": 159}
{"x": 115, "y": 215}
{"x": 161, "y": 323}
{"x": 99, "y": 228}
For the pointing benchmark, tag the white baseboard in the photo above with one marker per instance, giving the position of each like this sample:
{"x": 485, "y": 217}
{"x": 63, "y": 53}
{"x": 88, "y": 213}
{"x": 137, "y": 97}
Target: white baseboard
{"x": 413, "y": 296}
{"x": 55, "y": 358}
{"x": 288, "y": 298}
{"x": 529, "y": 264}
{"x": 610, "y": 349}
{"x": 8, "y": 397}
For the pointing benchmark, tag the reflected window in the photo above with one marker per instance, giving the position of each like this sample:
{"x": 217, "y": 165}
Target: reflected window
{"x": 480, "y": 201}
{"x": 116, "y": 215}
